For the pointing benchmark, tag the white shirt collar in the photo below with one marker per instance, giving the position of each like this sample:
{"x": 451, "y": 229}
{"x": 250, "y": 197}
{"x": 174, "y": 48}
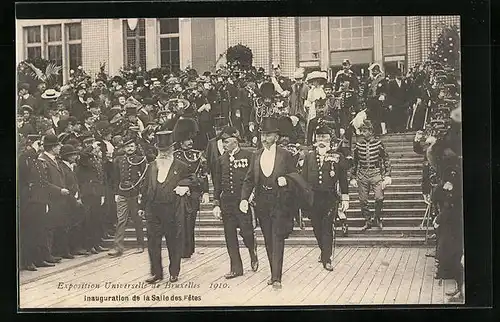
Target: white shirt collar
{"x": 272, "y": 149}
{"x": 234, "y": 151}
{"x": 51, "y": 156}
{"x": 220, "y": 147}
{"x": 68, "y": 164}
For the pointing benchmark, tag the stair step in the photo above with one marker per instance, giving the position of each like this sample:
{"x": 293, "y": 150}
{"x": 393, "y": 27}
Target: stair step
{"x": 303, "y": 241}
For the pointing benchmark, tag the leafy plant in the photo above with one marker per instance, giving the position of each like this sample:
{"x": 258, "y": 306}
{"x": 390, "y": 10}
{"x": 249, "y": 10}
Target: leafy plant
{"x": 240, "y": 55}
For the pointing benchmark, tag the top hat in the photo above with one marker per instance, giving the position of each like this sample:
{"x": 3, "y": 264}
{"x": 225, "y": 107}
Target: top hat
{"x": 285, "y": 126}
{"x": 50, "y": 94}
{"x": 164, "y": 139}
{"x": 67, "y": 150}
{"x": 323, "y": 128}
{"x": 267, "y": 90}
{"x": 185, "y": 129}
{"x": 50, "y": 140}
{"x": 230, "y": 132}
{"x": 269, "y": 125}
{"x": 101, "y": 125}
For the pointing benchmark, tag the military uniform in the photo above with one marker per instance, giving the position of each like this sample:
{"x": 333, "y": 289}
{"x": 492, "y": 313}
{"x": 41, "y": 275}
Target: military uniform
{"x": 129, "y": 171}
{"x": 327, "y": 176}
{"x": 375, "y": 96}
{"x": 370, "y": 165}
{"x": 228, "y": 180}
{"x": 197, "y": 167}
{"x": 343, "y": 76}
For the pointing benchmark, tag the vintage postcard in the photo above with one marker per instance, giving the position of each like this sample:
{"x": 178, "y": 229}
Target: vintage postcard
{"x": 239, "y": 161}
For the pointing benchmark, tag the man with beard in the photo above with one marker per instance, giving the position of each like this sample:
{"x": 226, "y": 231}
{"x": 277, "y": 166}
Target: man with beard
{"x": 324, "y": 169}
{"x": 371, "y": 170}
{"x": 166, "y": 184}
{"x": 128, "y": 174}
{"x": 271, "y": 173}
{"x": 346, "y": 74}
{"x": 184, "y": 131}
{"x": 230, "y": 171}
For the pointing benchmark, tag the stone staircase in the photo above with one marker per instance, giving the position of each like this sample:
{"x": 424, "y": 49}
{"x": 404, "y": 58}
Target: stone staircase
{"x": 404, "y": 209}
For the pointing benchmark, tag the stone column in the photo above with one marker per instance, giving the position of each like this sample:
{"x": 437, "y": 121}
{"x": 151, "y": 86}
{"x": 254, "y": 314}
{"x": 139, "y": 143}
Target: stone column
{"x": 221, "y": 40}
{"x": 185, "y": 42}
{"x": 115, "y": 38}
{"x": 378, "y": 55}
{"x": 324, "y": 44}
{"x": 152, "y": 52}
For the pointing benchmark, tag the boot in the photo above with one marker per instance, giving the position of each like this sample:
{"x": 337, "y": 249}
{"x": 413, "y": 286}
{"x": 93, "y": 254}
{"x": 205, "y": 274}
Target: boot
{"x": 368, "y": 225}
{"x": 345, "y": 229}
{"x": 378, "y": 213}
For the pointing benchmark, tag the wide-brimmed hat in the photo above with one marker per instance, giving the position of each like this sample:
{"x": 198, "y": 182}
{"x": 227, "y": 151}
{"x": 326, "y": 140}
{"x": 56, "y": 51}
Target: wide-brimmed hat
{"x": 67, "y": 150}
{"x": 269, "y": 125}
{"x": 177, "y": 103}
{"x": 316, "y": 75}
{"x": 26, "y": 108}
{"x": 50, "y": 94}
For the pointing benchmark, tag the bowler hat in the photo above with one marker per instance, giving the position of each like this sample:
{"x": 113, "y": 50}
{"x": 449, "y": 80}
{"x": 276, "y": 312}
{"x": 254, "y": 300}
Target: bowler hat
{"x": 269, "y": 125}
{"x": 50, "y": 140}
{"x": 67, "y": 150}
{"x": 164, "y": 139}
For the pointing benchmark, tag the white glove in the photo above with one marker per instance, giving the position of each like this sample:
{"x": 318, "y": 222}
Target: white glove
{"x": 386, "y": 182}
{"x": 46, "y": 208}
{"x": 354, "y": 183}
{"x": 390, "y": 107}
{"x": 344, "y": 205}
{"x": 244, "y": 206}
{"x": 254, "y": 140}
{"x": 285, "y": 93}
{"x": 205, "y": 198}
{"x": 301, "y": 163}
{"x": 381, "y": 98}
{"x": 251, "y": 127}
{"x": 282, "y": 181}
{"x": 418, "y": 136}
{"x": 181, "y": 191}
{"x": 139, "y": 199}
{"x": 216, "y": 212}
{"x": 141, "y": 213}
{"x": 65, "y": 192}
{"x": 102, "y": 200}
{"x": 427, "y": 199}
{"x": 116, "y": 198}
{"x": 448, "y": 186}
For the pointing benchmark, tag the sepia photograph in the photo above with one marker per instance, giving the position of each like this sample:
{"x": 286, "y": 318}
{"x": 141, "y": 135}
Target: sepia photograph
{"x": 239, "y": 161}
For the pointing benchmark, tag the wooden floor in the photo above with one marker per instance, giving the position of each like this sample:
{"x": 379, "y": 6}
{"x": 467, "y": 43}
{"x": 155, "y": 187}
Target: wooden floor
{"x": 361, "y": 276}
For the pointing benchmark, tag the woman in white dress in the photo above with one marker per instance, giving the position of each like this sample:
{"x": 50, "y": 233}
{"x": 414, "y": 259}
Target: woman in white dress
{"x": 316, "y": 79}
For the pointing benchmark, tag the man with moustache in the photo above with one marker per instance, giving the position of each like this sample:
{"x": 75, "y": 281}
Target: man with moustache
{"x": 324, "y": 169}
{"x": 128, "y": 174}
{"x": 166, "y": 185}
{"x": 230, "y": 171}
{"x": 269, "y": 172}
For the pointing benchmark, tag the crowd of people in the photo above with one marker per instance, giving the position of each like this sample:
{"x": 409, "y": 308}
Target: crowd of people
{"x": 98, "y": 151}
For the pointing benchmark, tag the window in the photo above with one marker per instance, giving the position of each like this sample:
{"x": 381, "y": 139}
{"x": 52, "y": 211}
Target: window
{"x": 74, "y": 41}
{"x": 309, "y": 38}
{"x": 53, "y": 43}
{"x": 169, "y": 43}
{"x": 394, "y": 35}
{"x": 350, "y": 33}
{"x": 33, "y": 42}
{"x": 135, "y": 44}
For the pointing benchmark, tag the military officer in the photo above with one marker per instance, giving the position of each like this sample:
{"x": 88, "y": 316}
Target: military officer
{"x": 128, "y": 174}
{"x": 346, "y": 74}
{"x": 375, "y": 97}
{"x": 184, "y": 131}
{"x": 230, "y": 171}
{"x": 371, "y": 170}
{"x": 326, "y": 171}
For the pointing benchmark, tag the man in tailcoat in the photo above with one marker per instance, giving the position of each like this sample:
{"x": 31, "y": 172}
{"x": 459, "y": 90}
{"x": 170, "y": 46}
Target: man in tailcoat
{"x": 270, "y": 173}
{"x": 375, "y": 96}
{"x": 326, "y": 172}
{"x": 231, "y": 169}
{"x": 166, "y": 185}
{"x": 215, "y": 148}
{"x": 398, "y": 94}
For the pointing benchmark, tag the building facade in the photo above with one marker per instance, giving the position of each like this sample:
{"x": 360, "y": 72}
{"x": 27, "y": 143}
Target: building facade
{"x": 309, "y": 42}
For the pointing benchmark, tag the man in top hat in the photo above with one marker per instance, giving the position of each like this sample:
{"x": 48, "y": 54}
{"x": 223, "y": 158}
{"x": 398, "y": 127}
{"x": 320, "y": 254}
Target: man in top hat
{"x": 376, "y": 94}
{"x": 166, "y": 185}
{"x": 34, "y": 197}
{"x": 346, "y": 74}
{"x": 371, "y": 170}
{"x": 269, "y": 174}
{"x": 231, "y": 169}
{"x": 184, "y": 131}
{"x": 326, "y": 171}
{"x": 146, "y": 111}
{"x": 57, "y": 190}
{"x": 128, "y": 175}
{"x": 397, "y": 97}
